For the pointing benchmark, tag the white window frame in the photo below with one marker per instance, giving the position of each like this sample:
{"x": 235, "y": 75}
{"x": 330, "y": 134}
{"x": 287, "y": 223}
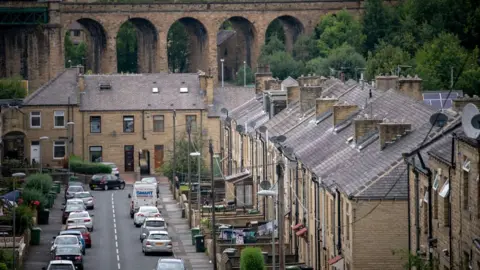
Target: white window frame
{"x": 436, "y": 182}
{"x": 59, "y": 144}
{"x": 425, "y": 197}
{"x": 466, "y": 164}
{"x": 35, "y": 116}
{"x": 445, "y": 189}
{"x": 55, "y": 116}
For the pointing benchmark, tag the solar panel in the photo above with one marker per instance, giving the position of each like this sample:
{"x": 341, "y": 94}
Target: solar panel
{"x": 439, "y": 100}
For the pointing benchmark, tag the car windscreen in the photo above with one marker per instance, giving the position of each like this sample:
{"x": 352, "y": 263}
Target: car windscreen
{"x": 82, "y": 195}
{"x": 61, "y": 267}
{"x": 149, "y": 180}
{"x": 67, "y": 251}
{"x": 155, "y": 223}
{"x": 98, "y": 177}
{"x": 72, "y": 232}
{"x": 75, "y": 189}
{"x": 158, "y": 237}
{"x": 148, "y": 210}
{"x": 170, "y": 266}
{"x": 66, "y": 241}
{"x": 74, "y": 207}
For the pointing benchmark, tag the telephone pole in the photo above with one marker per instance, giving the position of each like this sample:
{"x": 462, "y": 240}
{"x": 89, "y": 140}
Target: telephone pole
{"x": 174, "y": 180}
{"x": 214, "y": 231}
{"x": 189, "y": 131}
{"x": 281, "y": 210}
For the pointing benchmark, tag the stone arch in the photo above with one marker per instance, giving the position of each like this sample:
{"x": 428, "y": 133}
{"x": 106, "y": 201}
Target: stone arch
{"x": 14, "y": 144}
{"x": 292, "y": 29}
{"x": 235, "y": 44}
{"x": 94, "y": 35}
{"x": 147, "y": 37}
{"x": 197, "y": 44}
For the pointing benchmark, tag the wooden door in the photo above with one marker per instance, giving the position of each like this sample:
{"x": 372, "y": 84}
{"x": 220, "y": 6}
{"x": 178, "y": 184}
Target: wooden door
{"x": 129, "y": 158}
{"x": 158, "y": 156}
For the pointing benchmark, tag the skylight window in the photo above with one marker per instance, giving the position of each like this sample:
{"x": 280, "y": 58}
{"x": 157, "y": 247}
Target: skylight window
{"x": 445, "y": 189}
{"x": 154, "y": 90}
{"x": 349, "y": 140}
{"x": 183, "y": 90}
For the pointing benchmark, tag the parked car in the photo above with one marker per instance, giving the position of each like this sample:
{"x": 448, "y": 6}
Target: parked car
{"x": 143, "y": 213}
{"x": 152, "y": 224}
{"x": 74, "y": 201}
{"x": 65, "y": 240}
{"x": 71, "y": 190}
{"x": 157, "y": 241}
{"x": 114, "y": 167}
{"x": 78, "y": 234}
{"x": 81, "y": 218}
{"x": 70, "y": 253}
{"x": 60, "y": 265}
{"x": 85, "y": 233}
{"x": 69, "y": 208}
{"x": 71, "y": 184}
{"x": 106, "y": 181}
{"x": 170, "y": 264}
{"x": 87, "y": 199}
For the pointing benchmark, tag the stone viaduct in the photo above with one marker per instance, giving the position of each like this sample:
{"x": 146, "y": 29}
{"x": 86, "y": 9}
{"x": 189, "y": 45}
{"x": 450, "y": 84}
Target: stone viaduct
{"x": 36, "y": 50}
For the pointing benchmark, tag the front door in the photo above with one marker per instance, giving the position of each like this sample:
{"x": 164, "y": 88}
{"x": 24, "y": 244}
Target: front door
{"x": 158, "y": 156}
{"x": 35, "y": 152}
{"x": 129, "y": 158}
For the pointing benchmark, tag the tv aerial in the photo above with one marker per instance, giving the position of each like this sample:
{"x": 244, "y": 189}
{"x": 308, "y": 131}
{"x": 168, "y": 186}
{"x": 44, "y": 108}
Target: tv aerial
{"x": 471, "y": 121}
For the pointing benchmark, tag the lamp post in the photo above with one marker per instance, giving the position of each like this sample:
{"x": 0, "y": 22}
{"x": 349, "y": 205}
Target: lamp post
{"x": 244, "y": 73}
{"x": 15, "y": 176}
{"x": 199, "y": 194}
{"x": 273, "y": 194}
{"x": 70, "y": 143}
{"x": 43, "y": 138}
{"x": 222, "y": 60}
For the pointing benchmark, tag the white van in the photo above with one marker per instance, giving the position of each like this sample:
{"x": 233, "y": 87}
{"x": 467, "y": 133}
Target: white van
{"x": 144, "y": 194}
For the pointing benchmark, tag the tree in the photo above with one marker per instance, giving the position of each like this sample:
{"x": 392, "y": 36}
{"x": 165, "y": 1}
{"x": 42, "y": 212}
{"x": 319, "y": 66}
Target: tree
{"x": 250, "y": 78}
{"x": 385, "y": 59}
{"x": 344, "y": 58}
{"x": 283, "y": 65}
{"x": 336, "y": 29}
{"x": 178, "y": 47}
{"x": 127, "y": 48}
{"x": 11, "y": 88}
{"x": 378, "y": 23}
{"x": 252, "y": 259}
{"x": 74, "y": 53}
{"x": 305, "y": 48}
{"x": 269, "y": 48}
{"x": 275, "y": 29}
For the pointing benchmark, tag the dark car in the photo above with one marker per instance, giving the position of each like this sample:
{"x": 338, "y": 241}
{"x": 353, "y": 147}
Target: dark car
{"x": 71, "y": 190}
{"x": 69, "y": 253}
{"x": 106, "y": 181}
{"x": 71, "y": 208}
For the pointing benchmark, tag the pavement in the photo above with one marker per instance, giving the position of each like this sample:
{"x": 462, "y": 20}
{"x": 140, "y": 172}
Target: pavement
{"x": 115, "y": 239}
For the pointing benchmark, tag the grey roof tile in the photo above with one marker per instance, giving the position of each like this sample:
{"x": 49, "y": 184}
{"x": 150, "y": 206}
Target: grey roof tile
{"x": 57, "y": 91}
{"x": 391, "y": 186}
{"x": 229, "y": 97}
{"x": 134, "y": 92}
{"x": 224, "y": 35}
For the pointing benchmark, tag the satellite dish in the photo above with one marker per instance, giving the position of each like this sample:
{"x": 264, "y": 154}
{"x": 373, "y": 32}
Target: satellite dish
{"x": 252, "y": 124}
{"x": 228, "y": 119}
{"x": 273, "y": 139}
{"x": 438, "y": 119}
{"x": 281, "y": 138}
{"x": 288, "y": 150}
{"x": 240, "y": 128}
{"x": 470, "y": 121}
{"x": 262, "y": 129}
{"x": 223, "y": 110}
{"x": 265, "y": 185}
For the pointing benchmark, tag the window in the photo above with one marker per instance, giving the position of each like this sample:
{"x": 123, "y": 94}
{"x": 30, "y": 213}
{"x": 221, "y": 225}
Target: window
{"x": 466, "y": 164}
{"x": 425, "y": 218}
{"x": 76, "y": 33}
{"x": 95, "y": 153}
{"x": 128, "y": 124}
{"x": 192, "y": 119}
{"x": 95, "y": 124}
{"x": 436, "y": 181}
{"x": 59, "y": 149}
{"x": 465, "y": 190}
{"x": 35, "y": 119}
{"x": 59, "y": 119}
{"x": 158, "y": 123}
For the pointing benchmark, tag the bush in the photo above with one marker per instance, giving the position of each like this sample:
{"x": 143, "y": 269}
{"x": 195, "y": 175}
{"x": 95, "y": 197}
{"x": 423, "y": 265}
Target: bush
{"x": 39, "y": 181}
{"x": 85, "y": 167}
{"x": 6, "y": 259}
{"x": 3, "y": 266}
{"x": 23, "y": 217}
{"x": 29, "y": 196}
{"x": 251, "y": 259}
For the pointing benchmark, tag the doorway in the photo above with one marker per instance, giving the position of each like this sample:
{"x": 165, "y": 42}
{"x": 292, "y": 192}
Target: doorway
{"x": 159, "y": 154}
{"x": 129, "y": 158}
{"x": 35, "y": 152}
{"x": 144, "y": 161}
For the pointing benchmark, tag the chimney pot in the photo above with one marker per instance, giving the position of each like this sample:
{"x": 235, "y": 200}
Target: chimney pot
{"x": 308, "y": 95}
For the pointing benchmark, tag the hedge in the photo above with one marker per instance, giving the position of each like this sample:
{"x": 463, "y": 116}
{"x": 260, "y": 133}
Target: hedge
{"x": 85, "y": 167}
{"x": 39, "y": 181}
{"x": 252, "y": 259}
{"x": 31, "y": 195}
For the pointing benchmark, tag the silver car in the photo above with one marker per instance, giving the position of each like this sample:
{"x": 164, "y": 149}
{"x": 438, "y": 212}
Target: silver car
{"x": 87, "y": 199}
{"x": 65, "y": 240}
{"x": 157, "y": 241}
{"x": 170, "y": 264}
{"x": 114, "y": 168}
{"x": 152, "y": 224}
{"x": 72, "y": 190}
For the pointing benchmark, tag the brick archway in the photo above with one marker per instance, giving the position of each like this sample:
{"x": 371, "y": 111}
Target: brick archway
{"x": 292, "y": 28}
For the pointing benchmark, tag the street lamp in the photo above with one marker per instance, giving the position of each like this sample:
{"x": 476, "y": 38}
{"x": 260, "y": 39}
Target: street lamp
{"x": 273, "y": 194}
{"x": 222, "y": 60}
{"x": 43, "y": 138}
{"x": 244, "y": 73}
{"x": 199, "y": 194}
{"x": 15, "y": 176}
{"x": 70, "y": 144}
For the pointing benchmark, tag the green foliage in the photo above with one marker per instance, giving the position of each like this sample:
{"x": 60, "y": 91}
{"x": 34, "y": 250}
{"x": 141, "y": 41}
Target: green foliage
{"x": 31, "y": 195}
{"x": 335, "y": 30}
{"x": 271, "y": 47}
{"x": 74, "y": 53}
{"x": 90, "y": 168}
{"x": 250, "y": 76}
{"x": 305, "y": 48}
{"x": 283, "y": 65}
{"x": 127, "y": 48}
{"x": 3, "y": 266}
{"x": 414, "y": 261}
{"x": 379, "y": 21}
{"x": 344, "y": 58}
{"x": 251, "y": 259}
{"x": 39, "y": 181}
{"x": 5, "y": 259}
{"x": 385, "y": 59}
{"x": 11, "y": 88}
{"x": 275, "y": 29}
{"x": 178, "y": 48}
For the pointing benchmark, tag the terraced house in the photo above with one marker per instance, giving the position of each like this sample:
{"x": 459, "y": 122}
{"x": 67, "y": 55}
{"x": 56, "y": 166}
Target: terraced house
{"x": 345, "y": 179}
{"x": 120, "y": 118}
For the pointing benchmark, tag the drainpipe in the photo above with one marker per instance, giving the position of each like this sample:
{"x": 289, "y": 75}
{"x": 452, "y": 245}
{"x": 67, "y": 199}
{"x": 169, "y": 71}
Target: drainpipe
{"x": 339, "y": 220}
{"x": 296, "y": 209}
{"x": 430, "y": 209}
{"x": 230, "y": 142}
{"x": 417, "y": 212}
{"x": 264, "y": 165}
{"x": 408, "y": 209}
{"x": 452, "y": 167}
{"x": 241, "y": 155}
{"x": 317, "y": 225}
{"x": 83, "y": 135}
{"x": 143, "y": 124}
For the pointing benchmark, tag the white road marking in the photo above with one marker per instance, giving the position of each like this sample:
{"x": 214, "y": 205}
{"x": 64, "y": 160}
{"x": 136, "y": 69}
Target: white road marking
{"x": 115, "y": 231}
{"x": 118, "y": 265}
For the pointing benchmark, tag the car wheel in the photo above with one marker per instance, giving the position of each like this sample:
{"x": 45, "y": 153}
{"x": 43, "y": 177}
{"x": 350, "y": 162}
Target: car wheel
{"x": 105, "y": 188}
{"x": 89, "y": 245}
{"x": 137, "y": 225}
{"x": 92, "y": 188}
{"x": 122, "y": 186}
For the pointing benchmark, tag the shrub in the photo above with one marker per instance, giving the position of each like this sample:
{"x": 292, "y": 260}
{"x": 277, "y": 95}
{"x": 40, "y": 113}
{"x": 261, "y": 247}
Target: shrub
{"x": 85, "y": 167}
{"x": 3, "y": 266}
{"x": 29, "y": 196}
{"x": 23, "y": 217}
{"x": 6, "y": 259}
{"x": 39, "y": 181}
{"x": 251, "y": 259}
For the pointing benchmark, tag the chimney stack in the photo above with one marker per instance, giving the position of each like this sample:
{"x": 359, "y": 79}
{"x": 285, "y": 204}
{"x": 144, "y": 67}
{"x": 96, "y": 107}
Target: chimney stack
{"x": 411, "y": 86}
{"x": 460, "y": 102}
{"x": 391, "y": 132}
{"x": 206, "y": 84}
{"x": 308, "y": 95}
{"x": 324, "y": 106}
{"x": 342, "y": 112}
{"x": 81, "y": 83}
{"x": 385, "y": 83}
{"x": 310, "y": 80}
{"x": 261, "y": 77}
{"x": 273, "y": 84}
{"x": 365, "y": 127}
{"x": 293, "y": 94}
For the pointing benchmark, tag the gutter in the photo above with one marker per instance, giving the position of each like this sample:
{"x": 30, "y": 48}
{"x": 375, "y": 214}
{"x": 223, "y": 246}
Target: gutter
{"x": 317, "y": 225}
{"x": 296, "y": 209}
{"x": 339, "y": 218}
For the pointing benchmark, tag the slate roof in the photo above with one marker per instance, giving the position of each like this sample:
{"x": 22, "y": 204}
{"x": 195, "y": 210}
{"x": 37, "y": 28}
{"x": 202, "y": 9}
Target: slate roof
{"x": 134, "y": 92}
{"x": 229, "y": 97}
{"x": 393, "y": 185}
{"x": 57, "y": 91}
{"x": 442, "y": 149}
{"x": 224, "y": 35}
{"x": 289, "y": 81}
